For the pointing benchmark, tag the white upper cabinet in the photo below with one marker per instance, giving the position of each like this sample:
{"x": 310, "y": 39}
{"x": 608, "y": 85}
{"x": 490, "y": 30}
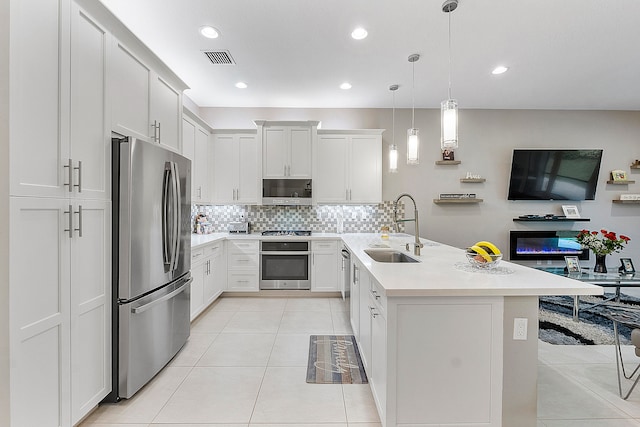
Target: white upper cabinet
{"x": 236, "y": 170}
{"x": 348, "y": 167}
{"x": 145, "y": 104}
{"x": 196, "y": 147}
{"x": 131, "y": 88}
{"x": 166, "y": 113}
{"x": 89, "y": 153}
{"x": 286, "y": 148}
{"x": 39, "y": 97}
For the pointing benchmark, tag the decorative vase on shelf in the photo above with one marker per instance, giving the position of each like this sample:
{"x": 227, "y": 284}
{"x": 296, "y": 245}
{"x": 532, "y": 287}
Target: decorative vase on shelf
{"x": 601, "y": 264}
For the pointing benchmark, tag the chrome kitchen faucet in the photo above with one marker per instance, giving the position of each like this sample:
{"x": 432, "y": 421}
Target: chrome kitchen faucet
{"x": 416, "y": 245}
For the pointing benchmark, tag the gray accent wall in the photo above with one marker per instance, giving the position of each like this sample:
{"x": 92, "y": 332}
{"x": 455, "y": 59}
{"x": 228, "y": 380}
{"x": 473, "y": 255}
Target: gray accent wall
{"x": 487, "y": 138}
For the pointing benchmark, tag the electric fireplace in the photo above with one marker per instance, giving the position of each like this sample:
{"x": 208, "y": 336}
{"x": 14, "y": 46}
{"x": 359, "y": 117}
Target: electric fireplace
{"x": 545, "y": 245}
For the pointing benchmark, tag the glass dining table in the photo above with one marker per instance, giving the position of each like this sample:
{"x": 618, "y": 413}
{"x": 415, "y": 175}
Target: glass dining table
{"x": 608, "y": 280}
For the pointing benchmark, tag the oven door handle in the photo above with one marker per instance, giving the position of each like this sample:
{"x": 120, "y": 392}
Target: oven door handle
{"x": 285, "y": 253}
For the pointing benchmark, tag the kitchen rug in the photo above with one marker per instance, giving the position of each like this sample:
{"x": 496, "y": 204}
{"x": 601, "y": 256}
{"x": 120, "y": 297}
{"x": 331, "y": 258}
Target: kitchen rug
{"x": 334, "y": 359}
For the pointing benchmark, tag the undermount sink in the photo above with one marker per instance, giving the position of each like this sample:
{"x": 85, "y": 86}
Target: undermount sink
{"x": 389, "y": 256}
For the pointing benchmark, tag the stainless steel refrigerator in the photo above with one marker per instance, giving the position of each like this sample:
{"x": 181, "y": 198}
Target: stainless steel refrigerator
{"x": 152, "y": 258}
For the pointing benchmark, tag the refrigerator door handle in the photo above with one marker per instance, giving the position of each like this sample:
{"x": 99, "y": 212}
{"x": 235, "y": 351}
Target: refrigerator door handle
{"x": 176, "y": 217}
{"x": 165, "y": 218}
{"x": 168, "y": 296}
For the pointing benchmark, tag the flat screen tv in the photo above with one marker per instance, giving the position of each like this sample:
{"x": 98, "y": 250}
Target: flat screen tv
{"x": 554, "y": 174}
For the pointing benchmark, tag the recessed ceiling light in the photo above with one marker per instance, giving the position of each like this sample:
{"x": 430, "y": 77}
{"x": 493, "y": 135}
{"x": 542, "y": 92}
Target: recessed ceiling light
{"x": 359, "y": 33}
{"x": 345, "y": 86}
{"x": 499, "y": 69}
{"x": 209, "y": 32}
{"x": 241, "y": 85}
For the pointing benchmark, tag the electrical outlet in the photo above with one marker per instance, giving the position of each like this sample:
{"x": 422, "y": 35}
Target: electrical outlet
{"x": 520, "y": 329}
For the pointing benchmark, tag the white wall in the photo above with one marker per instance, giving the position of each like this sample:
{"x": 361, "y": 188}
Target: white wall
{"x": 4, "y": 213}
{"x": 487, "y": 138}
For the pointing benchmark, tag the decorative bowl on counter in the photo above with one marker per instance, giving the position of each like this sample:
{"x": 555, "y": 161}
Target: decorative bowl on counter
{"x": 483, "y": 261}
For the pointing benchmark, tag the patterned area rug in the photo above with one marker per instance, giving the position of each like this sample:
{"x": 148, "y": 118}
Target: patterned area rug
{"x": 334, "y": 359}
{"x": 556, "y": 325}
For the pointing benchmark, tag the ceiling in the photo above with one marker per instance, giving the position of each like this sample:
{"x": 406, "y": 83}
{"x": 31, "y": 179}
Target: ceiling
{"x": 571, "y": 54}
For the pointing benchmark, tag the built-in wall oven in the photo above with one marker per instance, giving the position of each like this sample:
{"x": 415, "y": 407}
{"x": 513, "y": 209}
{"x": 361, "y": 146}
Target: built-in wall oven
{"x": 285, "y": 264}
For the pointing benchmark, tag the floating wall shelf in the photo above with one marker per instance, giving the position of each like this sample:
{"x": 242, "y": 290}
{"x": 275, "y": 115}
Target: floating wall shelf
{"x": 448, "y": 162}
{"x": 627, "y": 202}
{"x": 472, "y": 180}
{"x": 635, "y": 166}
{"x": 454, "y": 201}
{"x": 625, "y": 182}
{"x": 551, "y": 219}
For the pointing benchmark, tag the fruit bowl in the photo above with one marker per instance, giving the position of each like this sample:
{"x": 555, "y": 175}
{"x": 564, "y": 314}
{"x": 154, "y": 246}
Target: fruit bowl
{"x": 484, "y": 261}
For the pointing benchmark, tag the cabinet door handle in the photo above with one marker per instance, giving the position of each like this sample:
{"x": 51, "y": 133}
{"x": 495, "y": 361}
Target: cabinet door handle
{"x": 69, "y": 167}
{"x": 79, "y": 169}
{"x": 373, "y": 313}
{"x": 79, "y": 229}
{"x": 70, "y": 229}
{"x": 375, "y": 294}
{"x": 346, "y": 194}
{"x": 285, "y": 170}
{"x": 159, "y": 132}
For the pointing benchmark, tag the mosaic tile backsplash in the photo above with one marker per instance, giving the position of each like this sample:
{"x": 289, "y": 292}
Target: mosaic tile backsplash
{"x": 321, "y": 218}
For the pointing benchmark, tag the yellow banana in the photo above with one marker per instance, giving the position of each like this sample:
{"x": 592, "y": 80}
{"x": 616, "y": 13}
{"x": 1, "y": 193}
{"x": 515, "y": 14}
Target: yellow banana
{"x": 484, "y": 254}
{"x": 489, "y": 245}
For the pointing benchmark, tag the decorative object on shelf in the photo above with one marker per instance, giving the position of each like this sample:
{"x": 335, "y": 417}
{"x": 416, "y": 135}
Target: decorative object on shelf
{"x": 602, "y": 246}
{"x": 570, "y": 211}
{"x": 635, "y": 164}
{"x": 618, "y": 175}
{"x": 448, "y": 154}
{"x": 630, "y": 197}
{"x": 470, "y": 175}
{"x": 627, "y": 266}
{"x": 393, "y": 148}
{"x": 484, "y": 255}
{"x": 449, "y": 107}
{"x": 413, "y": 143}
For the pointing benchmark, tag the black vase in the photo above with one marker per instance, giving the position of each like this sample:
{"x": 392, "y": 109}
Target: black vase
{"x": 601, "y": 264}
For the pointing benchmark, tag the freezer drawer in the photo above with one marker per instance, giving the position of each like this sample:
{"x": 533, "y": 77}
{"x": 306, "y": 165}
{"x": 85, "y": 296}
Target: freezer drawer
{"x": 152, "y": 330}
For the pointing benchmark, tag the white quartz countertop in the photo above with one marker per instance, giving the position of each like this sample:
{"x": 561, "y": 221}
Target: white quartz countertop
{"x": 444, "y": 271}
{"x": 198, "y": 240}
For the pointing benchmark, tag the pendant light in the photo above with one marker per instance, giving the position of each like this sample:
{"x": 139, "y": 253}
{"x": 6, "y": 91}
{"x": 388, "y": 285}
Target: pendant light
{"x": 393, "y": 148}
{"x": 413, "y": 143}
{"x": 449, "y": 107}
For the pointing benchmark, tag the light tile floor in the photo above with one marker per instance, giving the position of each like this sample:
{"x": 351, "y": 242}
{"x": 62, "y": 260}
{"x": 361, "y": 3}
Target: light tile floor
{"x": 245, "y": 364}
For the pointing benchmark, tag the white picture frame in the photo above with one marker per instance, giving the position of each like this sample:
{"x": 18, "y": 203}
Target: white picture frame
{"x": 570, "y": 211}
{"x": 573, "y": 264}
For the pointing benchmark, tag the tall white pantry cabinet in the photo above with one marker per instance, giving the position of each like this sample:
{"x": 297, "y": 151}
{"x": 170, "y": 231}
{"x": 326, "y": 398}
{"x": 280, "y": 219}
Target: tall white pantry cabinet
{"x": 61, "y": 90}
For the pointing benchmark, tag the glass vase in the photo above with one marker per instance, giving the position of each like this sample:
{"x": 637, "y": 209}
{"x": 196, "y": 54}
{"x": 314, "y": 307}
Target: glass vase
{"x": 601, "y": 264}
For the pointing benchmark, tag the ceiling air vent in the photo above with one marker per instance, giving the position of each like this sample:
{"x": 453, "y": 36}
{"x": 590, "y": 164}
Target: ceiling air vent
{"x": 219, "y": 57}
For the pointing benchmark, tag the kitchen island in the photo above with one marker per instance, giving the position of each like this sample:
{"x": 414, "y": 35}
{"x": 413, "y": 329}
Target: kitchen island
{"x": 445, "y": 344}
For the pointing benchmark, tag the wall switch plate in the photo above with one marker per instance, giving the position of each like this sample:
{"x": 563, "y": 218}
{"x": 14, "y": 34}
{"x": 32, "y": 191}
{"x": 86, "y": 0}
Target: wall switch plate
{"x": 520, "y": 329}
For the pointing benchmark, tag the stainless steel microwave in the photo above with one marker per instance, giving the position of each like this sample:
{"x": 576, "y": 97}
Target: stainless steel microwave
{"x": 289, "y": 192}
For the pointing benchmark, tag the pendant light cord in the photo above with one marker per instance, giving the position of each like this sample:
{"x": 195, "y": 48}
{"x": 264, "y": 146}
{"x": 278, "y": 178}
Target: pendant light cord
{"x": 449, "y": 54}
{"x": 393, "y": 118}
{"x": 413, "y": 94}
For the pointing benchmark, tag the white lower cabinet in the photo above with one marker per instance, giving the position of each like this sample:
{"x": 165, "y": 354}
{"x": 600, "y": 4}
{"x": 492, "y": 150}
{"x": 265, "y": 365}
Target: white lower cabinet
{"x": 209, "y": 272}
{"x": 60, "y": 309}
{"x": 243, "y": 263}
{"x": 325, "y": 266}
